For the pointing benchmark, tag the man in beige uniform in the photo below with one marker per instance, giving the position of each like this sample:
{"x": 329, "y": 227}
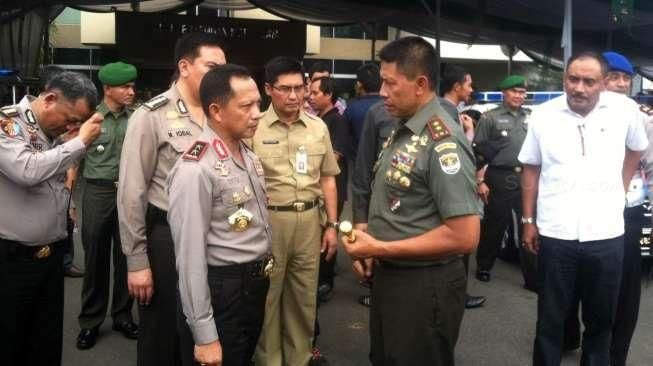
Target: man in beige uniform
{"x": 297, "y": 156}
{"x": 157, "y": 134}
{"x": 219, "y": 221}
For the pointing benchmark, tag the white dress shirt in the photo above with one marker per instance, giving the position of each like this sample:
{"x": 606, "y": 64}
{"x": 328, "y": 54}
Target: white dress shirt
{"x": 581, "y": 194}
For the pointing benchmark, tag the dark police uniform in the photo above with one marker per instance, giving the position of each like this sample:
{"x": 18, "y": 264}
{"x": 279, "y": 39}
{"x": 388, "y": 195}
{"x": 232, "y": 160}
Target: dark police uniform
{"x": 499, "y": 136}
{"x": 32, "y": 237}
{"x": 219, "y": 221}
{"x": 158, "y": 133}
{"x": 424, "y": 176}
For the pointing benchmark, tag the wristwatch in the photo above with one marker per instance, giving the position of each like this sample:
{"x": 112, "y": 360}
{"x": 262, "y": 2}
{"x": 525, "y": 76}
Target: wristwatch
{"x": 332, "y": 224}
{"x": 527, "y": 220}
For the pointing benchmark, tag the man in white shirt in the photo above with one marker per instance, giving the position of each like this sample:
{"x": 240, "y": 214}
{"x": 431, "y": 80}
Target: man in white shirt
{"x": 579, "y": 154}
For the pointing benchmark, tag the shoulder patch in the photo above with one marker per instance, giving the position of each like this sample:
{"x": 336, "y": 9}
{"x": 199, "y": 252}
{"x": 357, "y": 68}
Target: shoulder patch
{"x": 9, "y": 111}
{"x": 196, "y": 151}
{"x": 439, "y": 130}
{"x": 9, "y": 127}
{"x": 156, "y": 102}
{"x": 647, "y": 109}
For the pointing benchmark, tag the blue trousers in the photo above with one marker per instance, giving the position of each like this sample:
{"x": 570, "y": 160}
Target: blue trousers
{"x": 569, "y": 269}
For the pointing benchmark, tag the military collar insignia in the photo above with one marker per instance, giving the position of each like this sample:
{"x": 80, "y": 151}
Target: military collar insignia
{"x": 30, "y": 116}
{"x": 196, "y": 151}
{"x": 438, "y": 129}
{"x": 156, "y": 102}
{"x": 9, "y": 111}
{"x": 220, "y": 149}
{"x": 9, "y": 127}
{"x": 181, "y": 107}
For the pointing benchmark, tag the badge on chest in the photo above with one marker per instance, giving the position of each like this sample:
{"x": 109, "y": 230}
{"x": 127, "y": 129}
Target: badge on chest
{"x": 240, "y": 220}
{"x": 301, "y": 161}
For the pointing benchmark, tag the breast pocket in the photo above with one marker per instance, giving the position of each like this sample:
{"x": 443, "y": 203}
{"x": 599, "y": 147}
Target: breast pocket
{"x": 315, "y": 157}
{"x": 233, "y": 198}
{"x": 180, "y": 144}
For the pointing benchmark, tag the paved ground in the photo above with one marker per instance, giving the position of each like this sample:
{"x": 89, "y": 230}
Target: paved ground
{"x": 499, "y": 334}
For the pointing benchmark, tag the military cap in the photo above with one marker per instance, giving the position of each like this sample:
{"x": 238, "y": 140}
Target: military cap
{"x": 117, "y": 73}
{"x": 618, "y": 62}
{"x": 513, "y": 81}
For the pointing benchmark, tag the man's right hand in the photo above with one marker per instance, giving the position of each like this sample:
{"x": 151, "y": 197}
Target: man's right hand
{"x": 364, "y": 268}
{"x": 530, "y": 238}
{"x": 140, "y": 285}
{"x": 484, "y": 192}
{"x": 209, "y": 354}
{"x": 91, "y": 129}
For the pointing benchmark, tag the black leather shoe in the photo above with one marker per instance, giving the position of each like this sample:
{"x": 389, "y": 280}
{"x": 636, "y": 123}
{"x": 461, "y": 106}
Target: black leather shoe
{"x": 127, "y": 328}
{"x": 86, "y": 338}
{"x": 73, "y": 272}
{"x": 483, "y": 276}
{"x": 472, "y": 302}
{"x": 324, "y": 292}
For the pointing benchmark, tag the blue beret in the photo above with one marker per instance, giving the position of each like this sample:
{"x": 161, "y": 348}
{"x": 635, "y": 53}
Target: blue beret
{"x": 618, "y": 62}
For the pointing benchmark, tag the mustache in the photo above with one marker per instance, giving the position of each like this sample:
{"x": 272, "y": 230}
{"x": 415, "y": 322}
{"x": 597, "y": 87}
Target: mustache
{"x": 579, "y": 96}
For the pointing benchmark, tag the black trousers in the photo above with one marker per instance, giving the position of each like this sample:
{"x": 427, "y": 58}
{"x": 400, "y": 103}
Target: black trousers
{"x": 99, "y": 231}
{"x": 327, "y": 268}
{"x": 568, "y": 269}
{"x": 31, "y": 325}
{"x": 158, "y": 340}
{"x": 238, "y": 304}
{"x": 629, "y": 293}
{"x": 416, "y": 313}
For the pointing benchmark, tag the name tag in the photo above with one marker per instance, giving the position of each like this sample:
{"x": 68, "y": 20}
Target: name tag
{"x": 301, "y": 161}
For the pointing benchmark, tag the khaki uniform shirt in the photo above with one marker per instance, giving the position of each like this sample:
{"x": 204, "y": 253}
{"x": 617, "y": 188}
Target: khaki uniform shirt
{"x": 103, "y": 157}
{"x": 277, "y": 145}
{"x": 424, "y": 175}
{"x": 33, "y": 199}
{"x": 207, "y": 186}
{"x": 504, "y": 130}
{"x": 157, "y": 134}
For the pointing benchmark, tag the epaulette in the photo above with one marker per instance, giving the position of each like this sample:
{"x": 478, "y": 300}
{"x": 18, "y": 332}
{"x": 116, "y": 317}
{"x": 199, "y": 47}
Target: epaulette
{"x": 439, "y": 130}
{"x": 9, "y": 111}
{"x": 156, "y": 102}
{"x": 196, "y": 151}
{"x": 647, "y": 109}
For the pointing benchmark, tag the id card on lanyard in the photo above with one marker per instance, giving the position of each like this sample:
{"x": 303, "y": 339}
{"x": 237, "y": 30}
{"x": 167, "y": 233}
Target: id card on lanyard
{"x": 301, "y": 161}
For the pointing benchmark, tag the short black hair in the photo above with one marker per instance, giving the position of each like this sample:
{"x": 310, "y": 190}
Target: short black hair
{"x": 328, "y": 86}
{"x": 282, "y": 65}
{"x": 369, "y": 77}
{"x": 216, "y": 84}
{"x": 318, "y": 66}
{"x": 451, "y": 75}
{"x": 72, "y": 86}
{"x": 588, "y": 54}
{"x": 413, "y": 56}
{"x": 476, "y": 115}
{"x": 188, "y": 47}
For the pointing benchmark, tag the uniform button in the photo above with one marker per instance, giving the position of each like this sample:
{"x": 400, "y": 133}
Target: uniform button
{"x": 100, "y": 149}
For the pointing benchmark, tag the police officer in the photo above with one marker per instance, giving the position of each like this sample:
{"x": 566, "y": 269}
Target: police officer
{"x": 33, "y": 217}
{"x": 424, "y": 213}
{"x": 157, "y": 134}
{"x": 219, "y": 222}
{"x": 499, "y": 136}
{"x": 100, "y": 214}
{"x": 300, "y": 169}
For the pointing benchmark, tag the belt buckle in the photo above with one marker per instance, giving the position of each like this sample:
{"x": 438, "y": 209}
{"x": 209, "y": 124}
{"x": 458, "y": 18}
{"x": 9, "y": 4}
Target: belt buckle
{"x": 43, "y": 252}
{"x": 299, "y": 206}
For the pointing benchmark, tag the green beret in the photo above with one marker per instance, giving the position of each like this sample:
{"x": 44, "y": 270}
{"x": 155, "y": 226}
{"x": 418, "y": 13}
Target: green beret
{"x": 117, "y": 73}
{"x": 513, "y": 81}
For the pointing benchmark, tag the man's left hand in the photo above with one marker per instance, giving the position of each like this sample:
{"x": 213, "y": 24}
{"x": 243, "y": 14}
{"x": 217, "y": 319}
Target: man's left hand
{"x": 364, "y": 247}
{"x": 329, "y": 243}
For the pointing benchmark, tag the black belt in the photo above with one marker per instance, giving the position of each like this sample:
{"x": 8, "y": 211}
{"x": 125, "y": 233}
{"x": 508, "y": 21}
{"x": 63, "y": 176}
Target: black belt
{"x": 514, "y": 169}
{"x": 298, "y": 206}
{"x": 103, "y": 182}
{"x": 156, "y": 215}
{"x": 36, "y": 252}
{"x": 260, "y": 268}
{"x": 398, "y": 264}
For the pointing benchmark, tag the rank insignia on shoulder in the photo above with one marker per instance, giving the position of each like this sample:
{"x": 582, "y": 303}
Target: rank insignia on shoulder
{"x": 9, "y": 111}
{"x": 196, "y": 151}
{"x": 647, "y": 109}
{"x": 9, "y": 127}
{"x": 438, "y": 128}
{"x": 156, "y": 102}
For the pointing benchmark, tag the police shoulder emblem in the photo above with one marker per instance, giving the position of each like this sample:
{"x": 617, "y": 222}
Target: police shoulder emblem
{"x": 647, "y": 109}
{"x": 196, "y": 151}
{"x": 450, "y": 163}
{"x": 9, "y": 111}
{"x": 156, "y": 102}
{"x": 9, "y": 127}
{"x": 439, "y": 130}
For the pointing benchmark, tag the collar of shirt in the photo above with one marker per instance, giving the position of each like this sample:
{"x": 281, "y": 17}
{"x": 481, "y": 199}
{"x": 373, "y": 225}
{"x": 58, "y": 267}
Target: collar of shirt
{"x": 180, "y": 106}
{"x": 104, "y": 110}
{"x": 418, "y": 121}
{"x": 563, "y": 106}
{"x": 270, "y": 117}
{"x": 24, "y": 105}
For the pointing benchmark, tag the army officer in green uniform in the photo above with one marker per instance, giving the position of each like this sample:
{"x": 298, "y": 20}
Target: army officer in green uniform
{"x": 100, "y": 214}
{"x": 424, "y": 214}
{"x": 499, "y": 136}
